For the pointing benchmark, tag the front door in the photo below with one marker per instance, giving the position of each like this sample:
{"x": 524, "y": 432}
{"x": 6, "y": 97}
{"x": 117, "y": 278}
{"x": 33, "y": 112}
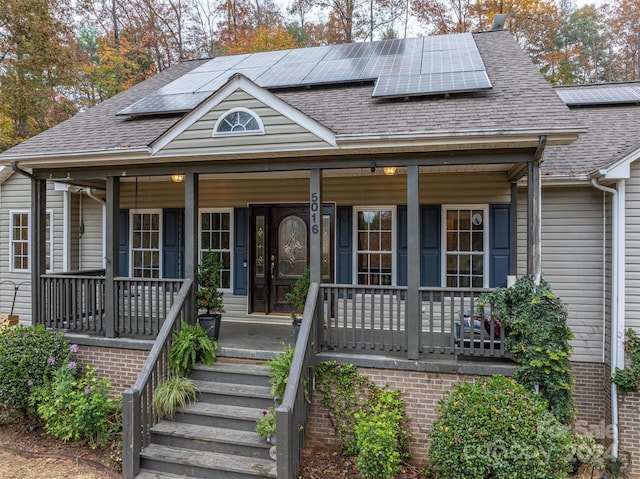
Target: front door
{"x": 280, "y": 253}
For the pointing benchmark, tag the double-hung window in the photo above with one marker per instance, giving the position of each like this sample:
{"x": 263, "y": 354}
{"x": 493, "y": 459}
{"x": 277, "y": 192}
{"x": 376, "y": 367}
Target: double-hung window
{"x": 374, "y": 245}
{"x": 146, "y": 239}
{"x": 19, "y": 240}
{"x": 465, "y": 239}
{"x": 215, "y": 236}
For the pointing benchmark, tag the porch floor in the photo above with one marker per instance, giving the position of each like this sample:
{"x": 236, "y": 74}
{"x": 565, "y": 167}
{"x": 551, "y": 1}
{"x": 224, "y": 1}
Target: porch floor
{"x": 259, "y": 337}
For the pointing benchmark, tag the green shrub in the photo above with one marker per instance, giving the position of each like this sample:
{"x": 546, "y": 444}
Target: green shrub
{"x": 173, "y": 392}
{"x": 266, "y": 425}
{"x": 628, "y": 379}
{"x": 189, "y": 346}
{"x": 494, "y": 429}
{"x": 29, "y": 357}
{"x": 279, "y": 368}
{"x": 535, "y": 323}
{"x": 298, "y": 297}
{"x": 370, "y": 420}
{"x": 381, "y": 435}
{"x": 79, "y": 409}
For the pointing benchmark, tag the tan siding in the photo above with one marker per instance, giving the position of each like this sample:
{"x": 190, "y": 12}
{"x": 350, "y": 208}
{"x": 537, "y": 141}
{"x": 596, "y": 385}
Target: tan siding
{"x": 632, "y": 244}
{"x": 572, "y": 259}
{"x": 367, "y": 189}
{"x": 16, "y": 195}
{"x": 280, "y": 132}
{"x": 90, "y": 242}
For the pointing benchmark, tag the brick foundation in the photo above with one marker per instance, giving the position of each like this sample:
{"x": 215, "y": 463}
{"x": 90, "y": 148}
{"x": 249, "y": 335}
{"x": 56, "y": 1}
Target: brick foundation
{"x": 422, "y": 390}
{"x": 121, "y": 366}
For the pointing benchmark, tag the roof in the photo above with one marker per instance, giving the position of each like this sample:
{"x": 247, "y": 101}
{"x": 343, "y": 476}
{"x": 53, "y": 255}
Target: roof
{"x": 613, "y": 133}
{"x": 520, "y": 101}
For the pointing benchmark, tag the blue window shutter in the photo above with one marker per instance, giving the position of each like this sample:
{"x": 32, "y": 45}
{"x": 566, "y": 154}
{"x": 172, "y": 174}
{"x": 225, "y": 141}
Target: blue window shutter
{"x": 430, "y": 245}
{"x": 344, "y": 245}
{"x": 500, "y": 245}
{"x": 123, "y": 244}
{"x": 173, "y": 243}
{"x": 240, "y": 250}
{"x": 401, "y": 250}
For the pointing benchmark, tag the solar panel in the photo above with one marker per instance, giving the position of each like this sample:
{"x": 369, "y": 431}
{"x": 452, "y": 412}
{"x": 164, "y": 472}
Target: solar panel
{"x": 154, "y": 104}
{"x": 336, "y": 71}
{"x": 410, "y": 85}
{"x": 451, "y": 61}
{"x": 415, "y": 66}
{"x": 600, "y": 95}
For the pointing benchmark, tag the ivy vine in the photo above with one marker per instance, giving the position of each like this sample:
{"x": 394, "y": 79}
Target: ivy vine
{"x": 535, "y": 323}
{"x": 628, "y": 379}
{"x": 370, "y": 421}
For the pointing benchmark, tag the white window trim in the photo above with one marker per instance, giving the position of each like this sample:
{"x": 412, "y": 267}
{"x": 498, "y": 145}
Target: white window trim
{"x": 159, "y": 212}
{"x": 259, "y": 131}
{"x": 394, "y": 233}
{"x": 50, "y": 213}
{"x": 485, "y": 240}
{"x": 231, "y": 240}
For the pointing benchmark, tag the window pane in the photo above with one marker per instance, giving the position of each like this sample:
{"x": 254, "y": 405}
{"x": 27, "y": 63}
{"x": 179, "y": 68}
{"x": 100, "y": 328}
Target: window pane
{"x": 374, "y": 241}
{"x": 478, "y": 239}
{"x": 292, "y": 247}
{"x": 363, "y": 241}
{"x": 225, "y": 242}
{"x": 477, "y": 220}
{"x": 465, "y": 220}
{"x": 385, "y": 241}
{"x": 465, "y": 242}
{"x": 206, "y": 221}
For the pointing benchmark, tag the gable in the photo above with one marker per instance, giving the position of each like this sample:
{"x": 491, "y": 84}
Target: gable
{"x": 285, "y": 128}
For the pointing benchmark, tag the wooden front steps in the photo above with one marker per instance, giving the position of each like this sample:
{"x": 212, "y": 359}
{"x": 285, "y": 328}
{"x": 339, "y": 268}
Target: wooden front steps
{"x": 215, "y": 437}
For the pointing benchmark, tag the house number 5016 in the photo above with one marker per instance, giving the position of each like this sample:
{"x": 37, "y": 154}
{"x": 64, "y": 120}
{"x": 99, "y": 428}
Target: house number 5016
{"x": 315, "y": 214}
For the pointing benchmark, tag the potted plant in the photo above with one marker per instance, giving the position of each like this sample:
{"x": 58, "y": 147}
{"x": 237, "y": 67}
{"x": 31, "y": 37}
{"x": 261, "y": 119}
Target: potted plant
{"x": 208, "y": 295}
{"x": 298, "y": 297}
{"x": 279, "y": 368}
{"x": 190, "y": 345}
{"x": 173, "y": 392}
{"x": 266, "y": 425}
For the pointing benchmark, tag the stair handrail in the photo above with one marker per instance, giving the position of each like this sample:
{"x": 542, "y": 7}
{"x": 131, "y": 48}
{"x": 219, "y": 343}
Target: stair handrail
{"x": 292, "y": 414}
{"x": 138, "y": 411}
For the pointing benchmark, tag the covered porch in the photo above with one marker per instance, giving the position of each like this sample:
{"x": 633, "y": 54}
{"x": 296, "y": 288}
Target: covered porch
{"x": 405, "y": 316}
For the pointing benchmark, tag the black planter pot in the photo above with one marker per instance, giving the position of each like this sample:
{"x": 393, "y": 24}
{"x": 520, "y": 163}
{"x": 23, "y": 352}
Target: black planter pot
{"x": 211, "y": 323}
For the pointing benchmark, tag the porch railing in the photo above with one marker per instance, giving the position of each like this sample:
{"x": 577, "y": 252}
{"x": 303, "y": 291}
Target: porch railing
{"x": 293, "y": 413}
{"x": 138, "y": 412}
{"x": 76, "y": 302}
{"x": 372, "y": 318}
{"x": 73, "y": 301}
{"x": 143, "y": 304}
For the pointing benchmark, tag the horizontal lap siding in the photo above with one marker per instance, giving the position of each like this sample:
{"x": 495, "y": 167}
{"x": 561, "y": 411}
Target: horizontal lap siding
{"x": 632, "y": 310}
{"x": 91, "y": 241}
{"x": 280, "y": 132}
{"x": 367, "y": 189}
{"x": 572, "y": 259}
{"x": 16, "y": 195}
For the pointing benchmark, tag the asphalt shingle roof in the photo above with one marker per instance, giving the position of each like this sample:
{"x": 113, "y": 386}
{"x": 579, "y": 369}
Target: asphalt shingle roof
{"x": 613, "y": 132}
{"x": 520, "y": 99}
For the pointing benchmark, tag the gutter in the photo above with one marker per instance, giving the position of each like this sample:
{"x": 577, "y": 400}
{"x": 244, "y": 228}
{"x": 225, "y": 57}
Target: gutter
{"x": 617, "y": 295}
{"x": 17, "y": 169}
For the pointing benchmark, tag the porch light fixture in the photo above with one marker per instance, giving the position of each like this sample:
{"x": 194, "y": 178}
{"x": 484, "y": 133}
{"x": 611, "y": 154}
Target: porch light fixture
{"x": 177, "y": 177}
{"x": 389, "y": 170}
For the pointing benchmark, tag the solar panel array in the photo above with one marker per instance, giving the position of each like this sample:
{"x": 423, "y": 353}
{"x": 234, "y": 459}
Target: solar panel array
{"x": 408, "y": 67}
{"x": 600, "y": 95}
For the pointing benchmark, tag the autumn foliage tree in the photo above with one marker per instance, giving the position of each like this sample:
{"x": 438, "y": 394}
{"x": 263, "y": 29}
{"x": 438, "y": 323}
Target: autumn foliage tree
{"x": 37, "y": 64}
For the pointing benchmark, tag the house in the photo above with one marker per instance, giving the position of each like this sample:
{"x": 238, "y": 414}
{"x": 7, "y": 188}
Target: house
{"x": 406, "y": 173}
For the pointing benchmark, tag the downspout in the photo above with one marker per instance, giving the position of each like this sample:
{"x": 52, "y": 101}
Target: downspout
{"x": 89, "y": 192}
{"x": 618, "y": 296}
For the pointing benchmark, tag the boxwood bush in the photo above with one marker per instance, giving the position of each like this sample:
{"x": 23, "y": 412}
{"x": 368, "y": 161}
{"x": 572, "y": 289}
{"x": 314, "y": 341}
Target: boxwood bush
{"x": 29, "y": 356}
{"x": 495, "y": 429}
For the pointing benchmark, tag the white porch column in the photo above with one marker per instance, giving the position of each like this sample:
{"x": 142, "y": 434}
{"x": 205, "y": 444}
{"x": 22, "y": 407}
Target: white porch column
{"x": 413, "y": 309}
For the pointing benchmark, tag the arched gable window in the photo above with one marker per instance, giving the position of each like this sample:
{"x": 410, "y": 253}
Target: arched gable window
{"x": 238, "y": 121}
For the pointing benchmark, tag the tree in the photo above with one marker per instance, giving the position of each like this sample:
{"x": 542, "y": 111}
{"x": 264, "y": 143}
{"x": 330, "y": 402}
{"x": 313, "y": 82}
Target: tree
{"x": 37, "y": 63}
{"x": 624, "y": 26}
